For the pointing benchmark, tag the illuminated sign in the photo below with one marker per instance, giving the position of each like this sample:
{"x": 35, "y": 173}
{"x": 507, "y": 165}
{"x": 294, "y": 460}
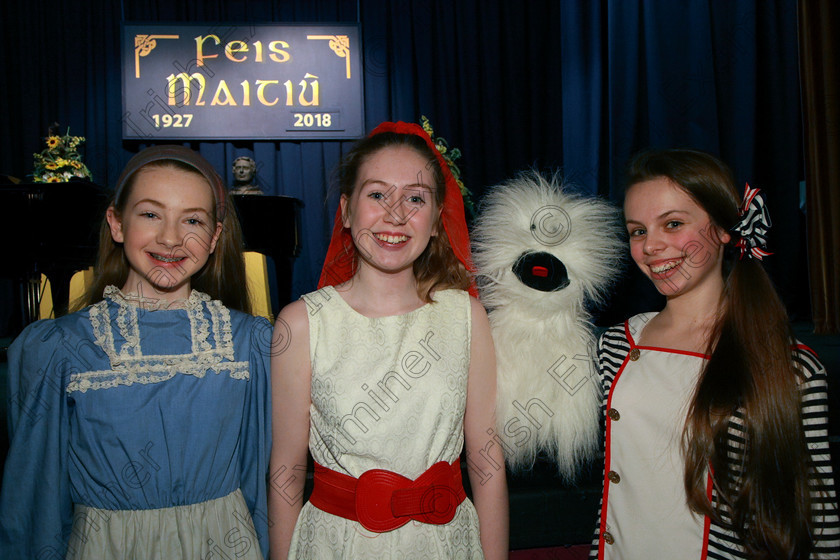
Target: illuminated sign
{"x": 249, "y": 81}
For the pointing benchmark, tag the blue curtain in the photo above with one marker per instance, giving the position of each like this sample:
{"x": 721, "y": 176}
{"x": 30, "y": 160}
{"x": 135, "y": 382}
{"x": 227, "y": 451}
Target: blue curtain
{"x": 576, "y": 85}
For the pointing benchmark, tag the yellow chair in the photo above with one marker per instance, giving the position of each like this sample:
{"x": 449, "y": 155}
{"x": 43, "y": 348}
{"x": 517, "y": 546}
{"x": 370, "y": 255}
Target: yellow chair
{"x": 80, "y": 282}
{"x": 258, "y": 288}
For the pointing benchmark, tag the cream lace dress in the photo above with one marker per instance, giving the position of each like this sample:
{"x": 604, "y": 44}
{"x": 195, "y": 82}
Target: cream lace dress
{"x": 387, "y": 393}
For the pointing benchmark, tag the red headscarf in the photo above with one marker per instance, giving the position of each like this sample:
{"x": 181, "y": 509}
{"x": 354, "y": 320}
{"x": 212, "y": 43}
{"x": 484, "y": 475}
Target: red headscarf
{"x": 339, "y": 264}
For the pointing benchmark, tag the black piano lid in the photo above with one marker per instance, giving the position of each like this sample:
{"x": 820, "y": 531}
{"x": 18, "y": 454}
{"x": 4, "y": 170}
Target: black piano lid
{"x": 50, "y": 225}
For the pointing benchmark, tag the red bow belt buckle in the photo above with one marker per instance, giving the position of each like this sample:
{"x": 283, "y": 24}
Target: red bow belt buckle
{"x": 386, "y": 500}
{"x": 382, "y": 500}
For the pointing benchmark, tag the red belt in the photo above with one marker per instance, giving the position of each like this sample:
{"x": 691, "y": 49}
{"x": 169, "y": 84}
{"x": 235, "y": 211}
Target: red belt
{"x": 383, "y": 500}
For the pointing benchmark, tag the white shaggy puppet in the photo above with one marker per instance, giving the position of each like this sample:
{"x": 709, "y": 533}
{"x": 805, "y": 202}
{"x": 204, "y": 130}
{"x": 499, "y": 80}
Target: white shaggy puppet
{"x": 541, "y": 254}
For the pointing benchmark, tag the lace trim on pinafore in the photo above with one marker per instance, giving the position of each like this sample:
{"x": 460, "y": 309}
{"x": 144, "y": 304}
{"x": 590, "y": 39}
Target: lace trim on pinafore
{"x": 130, "y": 366}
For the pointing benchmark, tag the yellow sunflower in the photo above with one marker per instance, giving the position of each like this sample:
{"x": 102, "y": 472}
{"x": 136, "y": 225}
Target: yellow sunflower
{"x": 51, "y": 166}
{"x": 54, "y": 179}
{"x": 53, "y": 141}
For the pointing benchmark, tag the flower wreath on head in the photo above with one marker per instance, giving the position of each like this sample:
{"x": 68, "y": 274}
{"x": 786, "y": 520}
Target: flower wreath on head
{"x": 450, "y": 155}
{"x": 339, "y": 264}
{"x": 61, "y": 160}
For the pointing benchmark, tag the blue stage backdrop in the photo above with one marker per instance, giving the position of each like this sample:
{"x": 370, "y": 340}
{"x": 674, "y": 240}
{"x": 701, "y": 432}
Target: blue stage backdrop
{"x": 577, "y": 85}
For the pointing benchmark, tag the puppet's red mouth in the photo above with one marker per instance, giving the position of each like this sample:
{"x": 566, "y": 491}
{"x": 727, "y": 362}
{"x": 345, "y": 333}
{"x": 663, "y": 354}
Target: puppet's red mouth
{"x": 541, "y": 271}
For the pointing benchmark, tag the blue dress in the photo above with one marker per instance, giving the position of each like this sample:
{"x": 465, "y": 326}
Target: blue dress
{"x": 141, "y": 421}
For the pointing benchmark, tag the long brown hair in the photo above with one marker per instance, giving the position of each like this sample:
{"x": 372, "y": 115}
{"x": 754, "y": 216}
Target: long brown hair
{"x": 222, "y": 277}
{"x": 750, "y": 375}
{"x": 437, "y": 267}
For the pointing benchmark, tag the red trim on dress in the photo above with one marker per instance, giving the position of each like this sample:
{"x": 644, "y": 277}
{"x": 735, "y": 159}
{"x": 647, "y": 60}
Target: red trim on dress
{"x": 657, "y": 348}
{"x": 800, "y": 346}
{"x": 707, "y": 521}
{"x": 605, "y": 493}
{"x": 673, "y": 351}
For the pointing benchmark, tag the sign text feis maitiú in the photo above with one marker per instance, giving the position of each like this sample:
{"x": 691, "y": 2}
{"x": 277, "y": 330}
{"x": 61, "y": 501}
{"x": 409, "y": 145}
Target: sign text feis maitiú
{"x": 249, "y": 81}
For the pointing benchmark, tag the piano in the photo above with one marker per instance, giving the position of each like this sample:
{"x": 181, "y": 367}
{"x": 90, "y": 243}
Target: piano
{"x": 50, "y": 229}
{"x": 53, "y": 229}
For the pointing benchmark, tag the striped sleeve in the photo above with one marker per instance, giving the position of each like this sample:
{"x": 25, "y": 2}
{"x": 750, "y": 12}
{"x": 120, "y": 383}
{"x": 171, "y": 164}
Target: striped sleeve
{"x": 825, "y": 515}
{"x": 724, "y": 544}
{"x": 613, "y": 347}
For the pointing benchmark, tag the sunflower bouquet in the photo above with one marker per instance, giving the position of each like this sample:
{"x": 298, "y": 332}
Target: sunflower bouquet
{"x": 61, "y": 160}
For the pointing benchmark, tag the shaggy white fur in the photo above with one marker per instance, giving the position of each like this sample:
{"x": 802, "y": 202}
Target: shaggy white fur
{"x": 548, "y": 390}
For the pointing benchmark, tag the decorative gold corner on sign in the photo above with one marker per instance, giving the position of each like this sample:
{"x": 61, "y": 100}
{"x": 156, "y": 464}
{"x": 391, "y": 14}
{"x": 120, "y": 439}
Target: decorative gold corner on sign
{"x": 340, "y": 45}
{"x": 143, "y": 45}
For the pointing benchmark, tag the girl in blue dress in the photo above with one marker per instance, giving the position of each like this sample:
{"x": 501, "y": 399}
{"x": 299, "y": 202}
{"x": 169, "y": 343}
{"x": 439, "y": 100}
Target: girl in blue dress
{"x": 139, "y": 424}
